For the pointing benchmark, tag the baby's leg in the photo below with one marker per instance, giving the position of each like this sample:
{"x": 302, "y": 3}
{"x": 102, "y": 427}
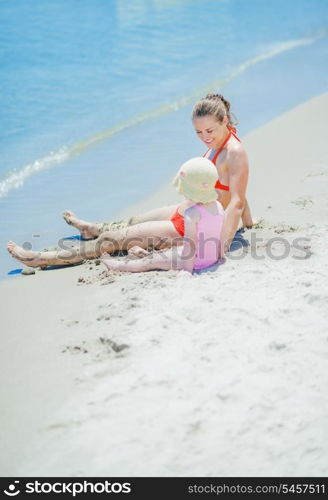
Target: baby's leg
{"x": 162, "y": 260}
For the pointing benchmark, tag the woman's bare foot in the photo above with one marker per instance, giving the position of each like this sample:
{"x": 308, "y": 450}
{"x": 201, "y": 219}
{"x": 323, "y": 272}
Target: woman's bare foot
{"x": 88, "y": 230}
{"x": 27, "y": 257}
{"x": 112, "y": 264}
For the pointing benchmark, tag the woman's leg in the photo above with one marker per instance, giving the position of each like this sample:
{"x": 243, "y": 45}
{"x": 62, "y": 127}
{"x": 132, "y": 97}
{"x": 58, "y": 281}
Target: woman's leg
{"x": 156, "y": 234}
{"x": 169, "y": 259}
{"x": 90, "y": 230}
{"x": 162, "y": 213}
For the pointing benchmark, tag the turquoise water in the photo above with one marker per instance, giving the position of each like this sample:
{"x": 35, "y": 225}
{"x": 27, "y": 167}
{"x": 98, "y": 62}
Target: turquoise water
{"x": 96, "y": 95}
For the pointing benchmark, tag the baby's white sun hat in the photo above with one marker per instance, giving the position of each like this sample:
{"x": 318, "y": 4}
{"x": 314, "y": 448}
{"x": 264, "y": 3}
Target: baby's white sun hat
{"x": 196, "y": 179}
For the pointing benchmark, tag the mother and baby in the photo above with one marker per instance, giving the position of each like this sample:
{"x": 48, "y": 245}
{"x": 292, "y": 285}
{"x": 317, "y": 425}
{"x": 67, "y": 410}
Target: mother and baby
{"x": 192, "y": 235}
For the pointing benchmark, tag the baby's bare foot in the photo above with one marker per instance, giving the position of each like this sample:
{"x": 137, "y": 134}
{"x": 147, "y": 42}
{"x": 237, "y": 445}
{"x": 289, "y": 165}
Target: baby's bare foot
{"x": 27, "y": 257}
{"x": 112, "y": 264}
{"x": 138, "y": 251}
{"x": 88, "y": 230}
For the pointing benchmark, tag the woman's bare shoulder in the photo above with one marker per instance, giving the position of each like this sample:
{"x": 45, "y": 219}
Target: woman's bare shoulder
{"x": 235, "y": 145}
{"x": 236, "y": 153}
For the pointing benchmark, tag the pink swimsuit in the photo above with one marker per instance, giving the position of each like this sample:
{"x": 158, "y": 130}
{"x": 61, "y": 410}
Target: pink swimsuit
{"x": 209, "y": 229}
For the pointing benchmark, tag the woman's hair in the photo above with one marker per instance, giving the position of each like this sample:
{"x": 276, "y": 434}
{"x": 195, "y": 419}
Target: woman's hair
{"x": 215, "y": 105}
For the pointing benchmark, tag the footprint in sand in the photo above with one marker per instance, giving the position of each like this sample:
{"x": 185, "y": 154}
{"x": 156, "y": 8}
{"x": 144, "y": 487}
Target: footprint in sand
{"x": 103, "y": 317}
{"x": 303, "y": 202}
{"x": 277, "y": 346}
{"x": 72, "y": 322}
{"x": 75, "y": 349}
{"x": 113, "y": 345}
{"x": 285, "y": 228}
{"x": 131, "y": 305}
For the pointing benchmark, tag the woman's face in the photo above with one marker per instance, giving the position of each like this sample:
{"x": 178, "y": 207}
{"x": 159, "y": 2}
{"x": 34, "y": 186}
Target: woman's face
{"x": 210, "y": 130}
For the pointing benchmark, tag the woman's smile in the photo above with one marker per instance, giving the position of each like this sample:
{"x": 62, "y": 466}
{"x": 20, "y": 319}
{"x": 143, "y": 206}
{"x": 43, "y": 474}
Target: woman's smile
{"x": 210, "y": 131}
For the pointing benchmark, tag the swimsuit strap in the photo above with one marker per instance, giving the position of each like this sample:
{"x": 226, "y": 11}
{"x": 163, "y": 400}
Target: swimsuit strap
{"x": 233, "y": 130}
{"x": 220, "y": 149}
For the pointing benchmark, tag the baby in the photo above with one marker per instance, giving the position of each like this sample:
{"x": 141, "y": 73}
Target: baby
{"x": 201, "y": 225}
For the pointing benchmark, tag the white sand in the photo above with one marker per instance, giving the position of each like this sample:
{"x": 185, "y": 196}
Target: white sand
{"x": 225, "y": 373}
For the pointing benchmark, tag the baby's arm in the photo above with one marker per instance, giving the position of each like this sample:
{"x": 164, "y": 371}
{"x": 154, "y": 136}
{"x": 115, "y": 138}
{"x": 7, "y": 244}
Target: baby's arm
{"x": 191, "y": 217}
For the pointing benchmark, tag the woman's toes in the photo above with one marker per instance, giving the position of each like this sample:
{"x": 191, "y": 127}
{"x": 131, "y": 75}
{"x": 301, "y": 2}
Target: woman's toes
{"x": 67, "y": 215}
{"x": 10, "y": 246}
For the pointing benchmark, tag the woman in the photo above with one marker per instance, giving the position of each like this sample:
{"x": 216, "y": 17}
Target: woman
{"x": 163, "y": 227}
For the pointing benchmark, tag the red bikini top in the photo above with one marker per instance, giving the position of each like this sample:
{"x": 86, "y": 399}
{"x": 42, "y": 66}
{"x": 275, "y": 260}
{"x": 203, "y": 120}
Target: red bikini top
{"x": 232, "y": 131}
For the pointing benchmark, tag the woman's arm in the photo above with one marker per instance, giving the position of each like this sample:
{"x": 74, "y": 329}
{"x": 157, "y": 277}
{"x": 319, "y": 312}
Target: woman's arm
{"x": 191, "y": 217}
{"x": 246, "y": 216}
{"x": 238, "y": 177}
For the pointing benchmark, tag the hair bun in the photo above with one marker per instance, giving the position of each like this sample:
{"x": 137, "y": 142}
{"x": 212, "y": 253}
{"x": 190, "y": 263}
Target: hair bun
{"x": 214, "y": 105}
{"x": 215, "y": 97}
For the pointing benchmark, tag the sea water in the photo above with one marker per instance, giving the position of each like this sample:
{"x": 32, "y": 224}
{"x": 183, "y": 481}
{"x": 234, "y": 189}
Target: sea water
{"x": 96, "y": 95}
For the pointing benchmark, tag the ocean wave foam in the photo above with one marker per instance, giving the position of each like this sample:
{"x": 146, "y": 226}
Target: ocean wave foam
{"x": 15, "y": 179}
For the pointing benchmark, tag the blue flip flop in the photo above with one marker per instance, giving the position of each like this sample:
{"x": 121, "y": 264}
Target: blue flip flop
{"x": 52, "y": 268}
{"x": 15, "y": 271}
{"x": 76, "y": 237}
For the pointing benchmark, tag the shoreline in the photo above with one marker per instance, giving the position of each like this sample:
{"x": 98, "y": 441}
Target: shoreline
{"x": 226, "y": 384}
{"x": 165, "y": 193}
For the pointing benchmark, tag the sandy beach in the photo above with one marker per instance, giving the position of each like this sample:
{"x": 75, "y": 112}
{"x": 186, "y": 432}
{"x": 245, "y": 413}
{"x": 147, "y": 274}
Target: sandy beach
{"x": 163, "y": 374}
